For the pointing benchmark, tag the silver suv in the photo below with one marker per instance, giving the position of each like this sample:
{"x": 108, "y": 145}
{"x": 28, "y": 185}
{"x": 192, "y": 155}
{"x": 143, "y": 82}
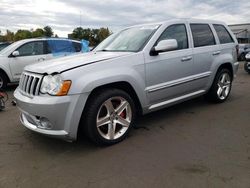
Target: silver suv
{"x": 135, "y": 71}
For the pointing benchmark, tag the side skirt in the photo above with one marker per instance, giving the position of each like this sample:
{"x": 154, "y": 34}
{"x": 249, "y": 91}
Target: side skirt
{"x": 168, "y": 102}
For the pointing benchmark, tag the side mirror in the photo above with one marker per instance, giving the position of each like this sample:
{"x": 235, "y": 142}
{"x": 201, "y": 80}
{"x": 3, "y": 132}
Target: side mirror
{"x": 15, "y": 53}
{"x": 164, "y": 46}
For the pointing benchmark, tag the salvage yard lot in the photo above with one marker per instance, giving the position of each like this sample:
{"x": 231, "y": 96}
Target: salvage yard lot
{"x": 193, "y": 144}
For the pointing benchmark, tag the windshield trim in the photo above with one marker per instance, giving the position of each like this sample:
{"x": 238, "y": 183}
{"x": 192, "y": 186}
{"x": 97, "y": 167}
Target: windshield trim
{"x": 150, "y": 36}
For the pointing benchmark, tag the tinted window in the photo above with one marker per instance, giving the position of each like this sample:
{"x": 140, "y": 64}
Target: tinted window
{"x": 177, "y": 32}
{"x": 47, "y": 48}
{"x": 31, "y": 48}
{"x": 60, "y": 46}
{"x": 223, "y": 34}
{"x": 202, "y": 35}
{"x": 77, "y": 46}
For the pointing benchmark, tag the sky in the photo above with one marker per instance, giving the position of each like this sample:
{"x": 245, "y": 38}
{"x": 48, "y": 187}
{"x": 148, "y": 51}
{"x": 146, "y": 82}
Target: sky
{"x": 65, "y": 15}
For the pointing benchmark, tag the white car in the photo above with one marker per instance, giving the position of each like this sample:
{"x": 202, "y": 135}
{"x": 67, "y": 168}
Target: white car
{"x": 16, "y": 56}
{"x": 247, "y": 63}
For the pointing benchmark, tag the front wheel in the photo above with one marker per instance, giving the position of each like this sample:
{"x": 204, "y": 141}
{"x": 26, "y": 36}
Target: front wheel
{"x": 110, "y": 114}
{"x": 221, "y": 86}
{"x": 3, "y": 81}
{"x": 247, "y": 67}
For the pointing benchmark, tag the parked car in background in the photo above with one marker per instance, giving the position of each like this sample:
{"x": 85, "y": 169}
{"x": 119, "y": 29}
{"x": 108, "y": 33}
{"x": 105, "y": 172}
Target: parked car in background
{"x": 243, "y": 50}
{"x": 4, "y": 45}
{"x": 247, "y": 63}
{"x": 25, "y": 52}
{"x": 135, "y": 71}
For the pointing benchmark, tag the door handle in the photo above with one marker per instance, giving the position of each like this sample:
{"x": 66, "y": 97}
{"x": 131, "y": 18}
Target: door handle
{"x": 188, "y": 58}
{"x": 216, "y": 53}
{"x": 41, "y": 59}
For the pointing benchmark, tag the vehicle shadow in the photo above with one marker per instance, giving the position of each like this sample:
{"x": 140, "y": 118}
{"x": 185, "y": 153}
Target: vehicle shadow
{"x": 187, "y": 107}
{"x": 11, "y": 87}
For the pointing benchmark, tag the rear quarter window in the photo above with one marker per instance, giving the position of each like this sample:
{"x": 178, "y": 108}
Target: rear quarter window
{"x": 223, "y": 35}
{"x": 202, "y": 35}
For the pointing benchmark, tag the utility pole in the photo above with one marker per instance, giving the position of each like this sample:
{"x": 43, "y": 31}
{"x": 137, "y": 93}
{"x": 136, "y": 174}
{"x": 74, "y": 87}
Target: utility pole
{"x": 80, "y": 18}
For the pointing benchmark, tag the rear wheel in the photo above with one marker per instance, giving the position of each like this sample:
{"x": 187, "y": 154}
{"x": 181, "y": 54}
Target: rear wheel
{"x": 109, "y": 116}
{"x": 221, "y": 86}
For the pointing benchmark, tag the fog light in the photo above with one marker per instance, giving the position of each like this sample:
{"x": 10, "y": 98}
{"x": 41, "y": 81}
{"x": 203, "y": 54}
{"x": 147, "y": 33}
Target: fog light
{"x": 44, "y": 123}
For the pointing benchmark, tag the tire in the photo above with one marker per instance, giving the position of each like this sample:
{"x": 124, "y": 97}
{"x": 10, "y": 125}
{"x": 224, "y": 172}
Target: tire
{"x": 108, "y": 117}
{"x": 221, "y": 86}
{"x": 246, "y": 68}
{"x": 3, "y": 80}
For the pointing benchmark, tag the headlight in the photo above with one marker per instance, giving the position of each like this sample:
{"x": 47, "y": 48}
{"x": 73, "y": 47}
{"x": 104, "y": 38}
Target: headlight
{"x": 55, "y": 85}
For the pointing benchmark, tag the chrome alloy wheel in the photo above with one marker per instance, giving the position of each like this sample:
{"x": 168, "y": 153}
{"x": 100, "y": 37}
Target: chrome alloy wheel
{"x": 114, "y": 118}
{"x": 224, "y": 86}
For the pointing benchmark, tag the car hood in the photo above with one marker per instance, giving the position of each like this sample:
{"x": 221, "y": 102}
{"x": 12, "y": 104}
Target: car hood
{"x": 59, "y": 65}
{"x": 2, "y": 58}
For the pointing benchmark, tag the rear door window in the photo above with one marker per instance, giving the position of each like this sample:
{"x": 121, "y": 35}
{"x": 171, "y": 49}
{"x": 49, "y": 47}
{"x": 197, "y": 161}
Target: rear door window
{"x": 223, "y": 34}
{"x": 202, "y": 35}
{"x": 60, "y": 46}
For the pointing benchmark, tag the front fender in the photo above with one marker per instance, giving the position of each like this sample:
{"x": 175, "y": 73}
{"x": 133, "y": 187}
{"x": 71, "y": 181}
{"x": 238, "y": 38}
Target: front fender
{"x": 85, "y": 79}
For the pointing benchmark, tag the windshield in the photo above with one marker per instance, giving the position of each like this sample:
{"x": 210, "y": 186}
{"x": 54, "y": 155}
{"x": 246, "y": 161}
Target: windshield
{"x": 10, "y": 47}
{"x": 2, "y": 46}
{"x": 128, "y": 40}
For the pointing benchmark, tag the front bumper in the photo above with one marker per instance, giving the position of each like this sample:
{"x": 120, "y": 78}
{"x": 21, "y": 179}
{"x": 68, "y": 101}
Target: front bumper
{"x": 63, "y": 113}
{"x": 25, "y": 119}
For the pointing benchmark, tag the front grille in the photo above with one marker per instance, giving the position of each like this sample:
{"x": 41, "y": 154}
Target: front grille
{"x": 29, "y": 83}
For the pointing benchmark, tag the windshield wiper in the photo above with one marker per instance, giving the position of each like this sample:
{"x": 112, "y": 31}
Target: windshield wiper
{"x": 104, "y": 50}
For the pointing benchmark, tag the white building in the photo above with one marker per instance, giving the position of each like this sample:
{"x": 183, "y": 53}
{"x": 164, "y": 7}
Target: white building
{"x": 242, "y": 32}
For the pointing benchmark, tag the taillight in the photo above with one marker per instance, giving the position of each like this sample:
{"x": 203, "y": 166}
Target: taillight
{"x": 237, "y": 50}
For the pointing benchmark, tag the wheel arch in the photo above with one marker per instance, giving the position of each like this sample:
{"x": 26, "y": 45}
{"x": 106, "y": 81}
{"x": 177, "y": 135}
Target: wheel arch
{"x": 3, "y": 72}
{"x": 228, "y": 66}
{"x": 122, "y": 85}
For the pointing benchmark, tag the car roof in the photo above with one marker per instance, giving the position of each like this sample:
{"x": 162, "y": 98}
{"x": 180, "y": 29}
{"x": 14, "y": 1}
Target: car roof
{"x": 190, "y": 20}
{"x": 5, "y": 43}
{"x": 245, "y": 44}
{"x": 9, "y": 48}
{"x": 46, "y": 38}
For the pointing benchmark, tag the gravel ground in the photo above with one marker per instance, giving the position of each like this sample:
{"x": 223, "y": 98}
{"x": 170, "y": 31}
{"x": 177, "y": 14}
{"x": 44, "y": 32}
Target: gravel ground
{"x": 193, "y": 144}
